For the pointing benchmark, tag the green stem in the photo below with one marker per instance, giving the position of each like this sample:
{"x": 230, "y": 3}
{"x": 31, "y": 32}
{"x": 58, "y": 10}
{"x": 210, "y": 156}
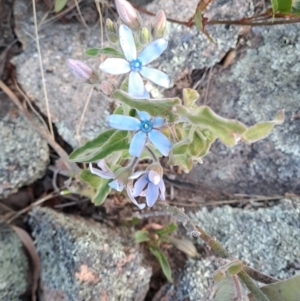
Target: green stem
{"x": 155, "y": 159}
{"x": 197, "y": 231}
{"x": 252, "y": 286}
{"x": 259, "y": 276}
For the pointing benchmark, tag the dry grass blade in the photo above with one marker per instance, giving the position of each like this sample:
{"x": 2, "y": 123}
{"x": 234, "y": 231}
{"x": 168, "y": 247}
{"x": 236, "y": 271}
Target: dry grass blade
{"x": 80, "y": 14}
{"x": 30, "y": 247}
{"x": 41, "y": 68}
{"x": 78, "y": 128}
{"x": 61, "y": 152}
{"x": 28, "y": 208}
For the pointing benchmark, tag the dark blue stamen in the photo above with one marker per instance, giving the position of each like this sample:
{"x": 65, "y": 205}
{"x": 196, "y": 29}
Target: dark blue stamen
{"x": 136, "y": 65}
{"x": 146, "y": 126}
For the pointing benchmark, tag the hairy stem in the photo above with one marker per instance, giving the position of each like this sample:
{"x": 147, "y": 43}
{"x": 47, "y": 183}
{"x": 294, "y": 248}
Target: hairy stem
{"x": 252, "y": 286}
{"x": 197, "y": 231}
{"x": 259, "y": 276}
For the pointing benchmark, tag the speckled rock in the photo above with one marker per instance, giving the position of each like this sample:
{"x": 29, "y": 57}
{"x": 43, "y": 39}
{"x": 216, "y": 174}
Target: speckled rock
{"x": 67, "y": 96}
{"x": 24, "y": 155}
{"x": 264, "y": 80}
{"x": 83, "y": 261}
{"x": 266, "y": 239}
{"x": 14, "y": 271}
{"x": 188, "y": 48}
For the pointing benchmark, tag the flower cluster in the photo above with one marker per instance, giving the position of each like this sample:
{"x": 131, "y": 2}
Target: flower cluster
{"x": 144, "y": 127}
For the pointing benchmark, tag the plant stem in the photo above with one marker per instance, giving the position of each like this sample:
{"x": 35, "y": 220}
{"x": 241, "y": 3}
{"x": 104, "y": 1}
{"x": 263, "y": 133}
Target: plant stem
{"x": 155, "y": 159}
{"x": 252, "y": 286}
{"x": 259, "y": 276}
{"x": 197, "y": 231}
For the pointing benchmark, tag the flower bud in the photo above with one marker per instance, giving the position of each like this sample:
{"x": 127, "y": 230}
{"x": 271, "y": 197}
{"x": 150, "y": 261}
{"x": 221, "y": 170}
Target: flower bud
{"x": 159, "y": 25}
{"x": 219, "y": 275}
{"x": 155, "y": 172}
{"x": 128, "y": 14}
{"x": 107, "y": 88}
{"x": 111, "y": 31}
{"x": 82, "y": 71}
{"x": 144, "y": 36}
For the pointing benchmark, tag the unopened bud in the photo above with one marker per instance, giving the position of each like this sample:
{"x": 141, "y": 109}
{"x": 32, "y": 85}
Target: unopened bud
{"x": 219, "y": 275}
{"x": 159, "y": 25}
{"x": 144, "y": 36}
{"x": 155, "y": 172}
{"x": 111, "y": 31}
{"x": 82, "y": 71}
{"x": 107, "y": 88}
{"x": 128, "y": 14}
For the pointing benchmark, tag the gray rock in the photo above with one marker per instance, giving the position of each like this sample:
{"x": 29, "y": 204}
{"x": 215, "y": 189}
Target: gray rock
{"x": 193, "y": 283}
{"x": 24, "y": 155}
{"x": 190, "y": 49}
{"x": 266, "y": 239}
{"x": 82, "y": 260}
{"x": 264, "y": 80}
{"x": 14, "y": 271}
{"x": 67, "y": 96}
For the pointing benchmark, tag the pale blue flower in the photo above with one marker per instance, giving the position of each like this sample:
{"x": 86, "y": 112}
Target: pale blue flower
{"x": 150, "y": 185}
{"x": 106, "y": 173}
{"x": 136, "y": 64}
{"x": 146, "y": 128}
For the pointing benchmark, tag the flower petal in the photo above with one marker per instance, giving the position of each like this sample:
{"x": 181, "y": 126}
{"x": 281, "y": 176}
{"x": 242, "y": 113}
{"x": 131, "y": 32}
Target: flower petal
{"x": 102, "y": 164}
{"x": 158, "y": 77}
{"x": 137, "y": 144}
{"x": 162, "y": 189}
{"x": 100, "y": 173}
{"x": 158, "y": 122}
{"x": 161, "y": 142}
{"x": 115, "y": 66}
{"x": 151, "y": 194}
{"x": 117, "y": 185}
{"x": 154, "y": 177}
{"x": 125, "y": 123}
{"x": 152, "y": 51}
{"x": 146, "y": 94}
{"x": 136, "y": 85}
{"x": 137, "y": 174}
{"x": 133, "y": 200}
{"x": 127, "y": 42}
{"x": 144, "y": 116}
{"x": 140, "y": 185}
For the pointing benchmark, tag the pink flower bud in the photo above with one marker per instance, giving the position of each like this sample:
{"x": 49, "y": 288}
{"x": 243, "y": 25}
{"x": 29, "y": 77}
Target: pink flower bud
{"x": 128, "y": 14}
{"x": 82, "y": 71}
{"x": 107, "y": 88}
{"x": 159, "y": 25}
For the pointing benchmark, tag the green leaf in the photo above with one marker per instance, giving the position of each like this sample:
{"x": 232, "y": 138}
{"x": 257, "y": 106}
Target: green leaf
{"x": 141, "y": 236}
{"x": 168, "y": 229}
{"x": 262, "y": 129}
{"x": 161, "y": 107}
{"x": 100, "y": 184}
{"x": 100, "y": 147}
{"x": 227, "y": 130}
{"x": 184, "y": 161}
{"x": 200, "y": 22}
{"x": 102, "y": 192}
{"x": 286, "y": 290}
{"x": 227, "y": 290}
{"x": 282, "y": 6}
{"x": 199, "y": 147}
{"x": 106, "y": 51}
{"x": 184, "y": 245}
{"x": 87, "y": 177}
{"x": 163, "y": 261}
{"x": 189, "y": 97}
{"x": 59, "y": 5}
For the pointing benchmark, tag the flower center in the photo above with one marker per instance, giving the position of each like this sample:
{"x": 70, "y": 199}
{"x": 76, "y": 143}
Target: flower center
{"x": 136, "y": 65}
{"x": 146, "y": 126}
